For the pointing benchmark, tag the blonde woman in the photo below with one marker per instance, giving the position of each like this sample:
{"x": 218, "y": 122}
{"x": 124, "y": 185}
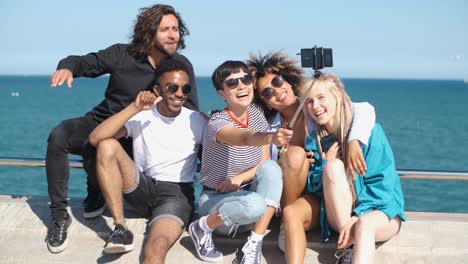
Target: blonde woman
{"x": 277, "y": 79}
{"x": 364, "y": 210}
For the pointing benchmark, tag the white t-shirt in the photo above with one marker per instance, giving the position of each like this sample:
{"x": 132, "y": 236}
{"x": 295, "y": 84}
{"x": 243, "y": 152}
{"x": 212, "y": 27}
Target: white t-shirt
{"x": 165, "y": 148}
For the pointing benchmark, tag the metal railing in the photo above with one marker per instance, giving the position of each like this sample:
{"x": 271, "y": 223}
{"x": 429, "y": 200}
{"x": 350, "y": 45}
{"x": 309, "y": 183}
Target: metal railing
{"x": 404, "y": 173}
{"x": 33, "y": 162}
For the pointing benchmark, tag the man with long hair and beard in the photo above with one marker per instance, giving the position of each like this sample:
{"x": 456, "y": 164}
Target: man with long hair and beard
{"x": 158, "y": 33}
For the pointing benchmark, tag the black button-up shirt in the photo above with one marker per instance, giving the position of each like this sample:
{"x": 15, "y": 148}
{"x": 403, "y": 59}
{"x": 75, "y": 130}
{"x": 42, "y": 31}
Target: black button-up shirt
{"x": 128, "y": 76}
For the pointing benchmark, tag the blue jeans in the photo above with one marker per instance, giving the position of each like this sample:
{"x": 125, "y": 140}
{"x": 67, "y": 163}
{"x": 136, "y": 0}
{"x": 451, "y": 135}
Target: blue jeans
{"x": 245, "y": 207}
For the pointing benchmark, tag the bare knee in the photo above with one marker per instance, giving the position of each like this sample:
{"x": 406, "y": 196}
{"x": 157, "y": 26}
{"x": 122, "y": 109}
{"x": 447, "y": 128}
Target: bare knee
{"x": 334, "y": 171}
{"x": 293, "y": 159}
{"x": 289, "y": 214}
{"x": 156, "y": 249}
{"x": 364, "y": 225}
{"x": 159, "y": 245}
{"x": 293, "y": 215}
{"x": 163, "y": 234}
{"x": 107, "y": 149}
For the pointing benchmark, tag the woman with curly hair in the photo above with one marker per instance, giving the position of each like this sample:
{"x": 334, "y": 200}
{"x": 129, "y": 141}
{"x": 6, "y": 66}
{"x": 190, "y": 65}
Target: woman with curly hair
{"x": 366, "y": 209}
{"x": 277, "y": 79}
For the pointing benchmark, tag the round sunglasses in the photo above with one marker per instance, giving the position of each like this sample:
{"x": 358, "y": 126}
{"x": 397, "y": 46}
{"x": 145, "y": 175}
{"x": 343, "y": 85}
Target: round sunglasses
{"x": 172, "y": 88}
{"x": 276, "y": 82}
{"x": 234, "y": 82}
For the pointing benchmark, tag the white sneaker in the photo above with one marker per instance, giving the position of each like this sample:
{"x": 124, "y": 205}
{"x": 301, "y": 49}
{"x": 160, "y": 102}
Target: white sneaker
{"x": 203, "y": 243}
{"x": 252, "y": 252}
{"x": 281, "y": 238}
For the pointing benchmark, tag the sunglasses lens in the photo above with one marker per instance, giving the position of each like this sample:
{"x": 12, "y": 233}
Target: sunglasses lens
{"x": 277, "y": 81}
{"x": 172, "y": 88}
{"x": 232, "y": 83}
{"x": 268, "y": 93}
{"x": 186, "y": 89}
{"x": 247, "y": 79}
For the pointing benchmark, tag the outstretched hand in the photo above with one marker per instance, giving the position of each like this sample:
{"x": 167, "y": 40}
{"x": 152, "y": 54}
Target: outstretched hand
{"x": 346, "y": 237}
{"x": 354, "y": 159}
{"x": 61, "y": 76}
{"x": 145, "y": 100}
{"x": 282, "y": 137}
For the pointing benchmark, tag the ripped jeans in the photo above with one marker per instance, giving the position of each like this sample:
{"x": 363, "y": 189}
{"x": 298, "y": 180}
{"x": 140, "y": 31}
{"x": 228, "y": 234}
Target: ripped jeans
{"x": 245, "y": 207}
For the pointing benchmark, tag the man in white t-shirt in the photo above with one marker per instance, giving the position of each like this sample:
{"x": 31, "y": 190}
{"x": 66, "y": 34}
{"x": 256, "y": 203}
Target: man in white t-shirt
{"x": 159, "y": 183}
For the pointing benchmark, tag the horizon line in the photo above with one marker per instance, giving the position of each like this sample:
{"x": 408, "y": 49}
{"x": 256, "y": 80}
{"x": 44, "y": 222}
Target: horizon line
{"x": 344, "y": 77}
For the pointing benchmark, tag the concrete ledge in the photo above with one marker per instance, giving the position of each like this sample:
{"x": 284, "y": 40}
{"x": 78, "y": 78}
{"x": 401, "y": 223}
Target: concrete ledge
{"x": 424, "y": 238}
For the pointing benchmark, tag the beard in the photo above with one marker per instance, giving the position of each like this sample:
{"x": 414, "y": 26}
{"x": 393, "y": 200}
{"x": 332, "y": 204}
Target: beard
{"x": 165, "y": 50}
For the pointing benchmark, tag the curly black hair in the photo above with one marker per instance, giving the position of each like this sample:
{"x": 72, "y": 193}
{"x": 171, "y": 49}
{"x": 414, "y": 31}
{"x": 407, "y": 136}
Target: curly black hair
{"x": 274, "y": 63}
{"x": 170, "y": 65}
{"x": 147, "y": 25}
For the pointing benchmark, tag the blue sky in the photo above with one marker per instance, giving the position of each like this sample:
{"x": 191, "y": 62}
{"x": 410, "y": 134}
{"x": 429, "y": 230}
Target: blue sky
{"x": 376, "y": 39}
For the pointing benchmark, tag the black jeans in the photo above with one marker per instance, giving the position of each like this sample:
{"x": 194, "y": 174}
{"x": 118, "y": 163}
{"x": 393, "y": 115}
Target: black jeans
{"x": 71, "y": 136}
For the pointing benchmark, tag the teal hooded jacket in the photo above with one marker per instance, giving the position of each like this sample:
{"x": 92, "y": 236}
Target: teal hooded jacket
{"x": 379, "y": 189}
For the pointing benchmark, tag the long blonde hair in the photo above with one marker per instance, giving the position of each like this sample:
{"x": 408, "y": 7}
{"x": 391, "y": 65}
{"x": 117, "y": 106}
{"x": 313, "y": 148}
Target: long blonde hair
{"x": 342, "y": 119}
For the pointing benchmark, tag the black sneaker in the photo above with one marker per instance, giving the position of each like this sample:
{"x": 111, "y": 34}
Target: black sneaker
{"x": 57, "y": 239}
{"x": 120, "y": 241}
{"x": 94, "y": 205}
{"x": 344, "y": 256}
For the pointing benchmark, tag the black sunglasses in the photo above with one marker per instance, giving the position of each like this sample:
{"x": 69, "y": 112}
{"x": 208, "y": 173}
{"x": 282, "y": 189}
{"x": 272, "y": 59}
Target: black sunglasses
{"x": 276, "y": 82}
{"x": 172, "y": 88}
{"x": 234, "y": 82}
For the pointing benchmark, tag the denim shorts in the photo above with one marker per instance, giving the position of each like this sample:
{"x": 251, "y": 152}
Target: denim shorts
{"x": 155, "y": 199}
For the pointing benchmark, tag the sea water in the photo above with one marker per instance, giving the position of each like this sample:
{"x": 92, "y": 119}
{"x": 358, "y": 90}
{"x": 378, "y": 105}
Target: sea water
{"x": 426, "y": 122}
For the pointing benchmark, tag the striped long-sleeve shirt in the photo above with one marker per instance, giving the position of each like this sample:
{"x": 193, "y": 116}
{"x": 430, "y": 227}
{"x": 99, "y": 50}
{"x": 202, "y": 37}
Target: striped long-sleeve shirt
{"x": 221, "y": 161}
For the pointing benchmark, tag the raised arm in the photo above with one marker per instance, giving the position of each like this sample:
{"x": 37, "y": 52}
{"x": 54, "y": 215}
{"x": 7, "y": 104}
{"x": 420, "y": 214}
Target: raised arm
{"x": 91, "y": 65}
{"x": 240, "y": 137}
{"x": 363, "y": 122}
{"x": 113, "y": 127}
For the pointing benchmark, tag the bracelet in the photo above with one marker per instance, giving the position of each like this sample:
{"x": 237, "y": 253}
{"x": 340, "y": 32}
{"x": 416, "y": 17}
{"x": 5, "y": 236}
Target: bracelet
{"x": 121, "y": 222}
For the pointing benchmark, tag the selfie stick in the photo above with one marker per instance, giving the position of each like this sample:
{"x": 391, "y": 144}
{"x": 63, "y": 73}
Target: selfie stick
{"x": 317, "y": 74}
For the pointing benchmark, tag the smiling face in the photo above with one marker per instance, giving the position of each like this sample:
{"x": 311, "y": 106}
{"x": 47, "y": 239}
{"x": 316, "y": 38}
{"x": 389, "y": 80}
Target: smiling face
{"x": 168, "y": 35}
{"x": 172, "y": 103}
{"x": 275, "y": 91}
{"x": 321, "y": 105}
{"x": 238, "y": 96}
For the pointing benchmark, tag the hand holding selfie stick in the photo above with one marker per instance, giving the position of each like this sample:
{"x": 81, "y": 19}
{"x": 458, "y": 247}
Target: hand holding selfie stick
{"x": 316, "y": 58}
{"x": 299, "y": 108}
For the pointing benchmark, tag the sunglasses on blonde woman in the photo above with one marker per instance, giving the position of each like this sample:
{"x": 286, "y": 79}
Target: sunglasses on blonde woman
{"x": 234, "y": 82}
{"x": 276, "y": 82}
{"x": 172, "y": 88}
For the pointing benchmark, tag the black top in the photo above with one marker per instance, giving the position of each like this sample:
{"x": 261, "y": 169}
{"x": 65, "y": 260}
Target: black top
{"x": 128, "y": 76}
